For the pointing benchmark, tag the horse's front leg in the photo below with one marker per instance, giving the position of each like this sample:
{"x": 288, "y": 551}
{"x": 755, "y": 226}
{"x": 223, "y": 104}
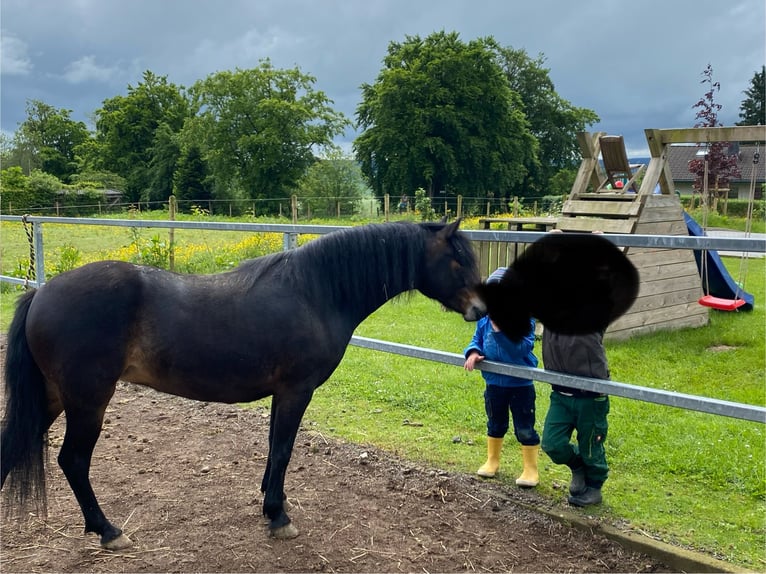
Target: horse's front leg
{"x": 286, "y": 415}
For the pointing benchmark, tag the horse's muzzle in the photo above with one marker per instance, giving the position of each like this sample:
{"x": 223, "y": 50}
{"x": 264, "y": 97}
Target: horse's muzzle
{"x": 476, "y": 309}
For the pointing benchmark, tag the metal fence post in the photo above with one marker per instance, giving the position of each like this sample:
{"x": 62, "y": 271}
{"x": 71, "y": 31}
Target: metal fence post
{"x": 37, "y": 233}
{"x": 289, "y": 241}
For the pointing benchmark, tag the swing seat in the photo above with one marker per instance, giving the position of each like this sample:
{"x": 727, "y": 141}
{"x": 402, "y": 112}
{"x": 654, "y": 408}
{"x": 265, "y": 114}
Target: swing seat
{"x": 720, "y": 303}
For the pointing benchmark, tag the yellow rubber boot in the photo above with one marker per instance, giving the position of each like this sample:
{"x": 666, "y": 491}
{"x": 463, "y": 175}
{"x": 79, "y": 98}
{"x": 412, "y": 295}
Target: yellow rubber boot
{"x": 529, "y": 476}
{"x": 489, "y": 468}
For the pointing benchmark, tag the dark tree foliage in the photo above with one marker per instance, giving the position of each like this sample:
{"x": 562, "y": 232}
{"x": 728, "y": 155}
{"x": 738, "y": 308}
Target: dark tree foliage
{"x": 442, "y": 117}
{"x": 721, "y": 167}
{"x": 190, "y": 180}
{"x": 752, "y": 110}
{"x": 134, "y": 136}
{"x": 48, "y": 139}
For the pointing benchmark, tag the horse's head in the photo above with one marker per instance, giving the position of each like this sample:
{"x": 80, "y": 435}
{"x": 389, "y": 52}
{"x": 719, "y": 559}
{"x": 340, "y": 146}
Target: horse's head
{"x": 451, "y": 272}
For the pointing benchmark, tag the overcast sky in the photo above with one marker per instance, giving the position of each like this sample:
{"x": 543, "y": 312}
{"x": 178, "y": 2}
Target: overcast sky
{"x": 637, "y": 64}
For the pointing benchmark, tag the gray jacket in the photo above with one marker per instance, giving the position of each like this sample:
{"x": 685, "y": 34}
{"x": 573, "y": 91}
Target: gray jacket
{"x": 582, "y": 355}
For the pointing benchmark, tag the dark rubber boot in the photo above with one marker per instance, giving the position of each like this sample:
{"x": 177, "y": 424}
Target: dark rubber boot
{"x": 588, "y": 497}
{"x": 577, "y": 486}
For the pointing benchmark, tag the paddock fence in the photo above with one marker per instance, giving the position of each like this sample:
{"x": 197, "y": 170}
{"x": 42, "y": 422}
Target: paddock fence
{"x": 755, "y": 413}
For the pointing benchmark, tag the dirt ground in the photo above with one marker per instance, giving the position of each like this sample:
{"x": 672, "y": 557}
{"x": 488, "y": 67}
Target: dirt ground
{"x": 182, "y": 478}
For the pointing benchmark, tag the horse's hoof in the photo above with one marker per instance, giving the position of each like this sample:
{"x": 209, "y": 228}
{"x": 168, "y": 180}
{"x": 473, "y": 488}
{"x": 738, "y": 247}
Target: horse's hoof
{"x": 119, "y": 543}
{"x": 285, "y": 532}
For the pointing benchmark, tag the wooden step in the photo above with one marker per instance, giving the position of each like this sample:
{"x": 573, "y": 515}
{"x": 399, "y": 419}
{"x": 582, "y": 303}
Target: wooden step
{"x": 601, "y": 208}
{"x": 607, "y": 196}
{"x": 588, "y": 224}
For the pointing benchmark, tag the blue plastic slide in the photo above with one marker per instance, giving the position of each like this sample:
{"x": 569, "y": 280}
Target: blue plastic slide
{"x": 720, "y": 282}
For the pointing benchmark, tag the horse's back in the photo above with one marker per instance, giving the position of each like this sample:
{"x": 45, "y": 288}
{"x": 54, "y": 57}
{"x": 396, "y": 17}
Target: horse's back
{"x": 86, "y": 301}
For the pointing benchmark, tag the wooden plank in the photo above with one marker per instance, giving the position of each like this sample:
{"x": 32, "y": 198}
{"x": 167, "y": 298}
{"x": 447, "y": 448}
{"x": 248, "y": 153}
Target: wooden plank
{"x": 607, "y": 196}
{"x": 656, "y": 201}
{"x": 713, "y": 134}
{"x": 587, "y": 224}
{"x": 661, "y": 228}
{"x": 680, "y": 269}
{"x": 655, "y": 214}
{"x": 665, "y": 299}
{"x": 670, "y": 314}
{"x": 659, "y": 257}
{"x": 648, "y": 288}
{"x": 615, "y": 333}
{"x": 602, "y": 208}
{"x": 659, "y": 168}
{"x": 518, "y": 223}
{"x": 590, "y": 171}
{"x": 481, "y": 248}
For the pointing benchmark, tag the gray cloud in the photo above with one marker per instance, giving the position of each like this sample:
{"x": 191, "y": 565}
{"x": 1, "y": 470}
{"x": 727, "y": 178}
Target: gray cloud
{"x": 15, "y": 61}
{"x": 638, "y": 65}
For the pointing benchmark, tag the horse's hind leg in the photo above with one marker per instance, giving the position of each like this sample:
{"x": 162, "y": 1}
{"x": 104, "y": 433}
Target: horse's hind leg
{"x": 83, "y": 427}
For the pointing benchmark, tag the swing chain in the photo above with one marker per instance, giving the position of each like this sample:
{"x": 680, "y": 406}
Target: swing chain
{"x": 31, "y": 269}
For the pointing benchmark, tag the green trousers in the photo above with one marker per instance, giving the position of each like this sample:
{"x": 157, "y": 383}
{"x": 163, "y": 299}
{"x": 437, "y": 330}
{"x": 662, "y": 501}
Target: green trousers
{"x": 587, "y": 416}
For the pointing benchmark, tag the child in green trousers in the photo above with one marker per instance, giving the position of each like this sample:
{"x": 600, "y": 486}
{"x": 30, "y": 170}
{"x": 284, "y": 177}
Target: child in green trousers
{"x": 577, "y": 410}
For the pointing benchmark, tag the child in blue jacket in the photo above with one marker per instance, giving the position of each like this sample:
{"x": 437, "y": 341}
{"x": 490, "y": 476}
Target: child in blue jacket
{"x": 504, "y": 394}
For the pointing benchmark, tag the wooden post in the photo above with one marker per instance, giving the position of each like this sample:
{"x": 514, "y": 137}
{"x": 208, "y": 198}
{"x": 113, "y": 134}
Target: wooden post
{"x": 386, "y": 203}
{"x": 172, "y": 207}
{"x": 294, "y": 208}
{"x": 459, "y": 206}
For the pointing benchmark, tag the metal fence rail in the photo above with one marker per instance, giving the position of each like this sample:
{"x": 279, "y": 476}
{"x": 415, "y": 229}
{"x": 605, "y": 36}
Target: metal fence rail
{"x": 291, "y": 232}
{"x": 646, "y": 394}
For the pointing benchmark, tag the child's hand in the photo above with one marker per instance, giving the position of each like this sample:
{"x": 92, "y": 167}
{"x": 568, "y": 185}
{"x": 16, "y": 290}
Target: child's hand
{"x": 471, "y": 360}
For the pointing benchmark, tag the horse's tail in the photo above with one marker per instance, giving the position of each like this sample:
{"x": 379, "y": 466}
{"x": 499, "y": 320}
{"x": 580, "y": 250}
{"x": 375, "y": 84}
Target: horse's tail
{"x": 23, "y": 444}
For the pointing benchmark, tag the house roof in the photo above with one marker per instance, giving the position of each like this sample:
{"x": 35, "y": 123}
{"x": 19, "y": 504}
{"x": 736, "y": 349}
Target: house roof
{"x": 679, "y": 157}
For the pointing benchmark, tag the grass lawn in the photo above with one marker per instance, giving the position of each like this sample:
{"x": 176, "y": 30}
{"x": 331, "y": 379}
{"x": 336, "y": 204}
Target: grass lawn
{"x": 692, "y": 479}
{"x": 688, "y": 478}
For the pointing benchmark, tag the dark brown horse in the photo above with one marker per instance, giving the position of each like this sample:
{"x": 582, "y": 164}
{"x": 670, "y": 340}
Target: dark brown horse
{"x": 277, "y": 325}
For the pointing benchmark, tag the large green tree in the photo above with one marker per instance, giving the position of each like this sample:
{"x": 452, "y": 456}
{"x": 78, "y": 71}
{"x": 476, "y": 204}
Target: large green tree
{"x": 752, "y": 110}
{"x": 47, "y": 140}
{"x": 553, "y": 120}
{"x": 260, "y": 128}
{"x": 442, "y": 116}
{"x": 133, "y": 135}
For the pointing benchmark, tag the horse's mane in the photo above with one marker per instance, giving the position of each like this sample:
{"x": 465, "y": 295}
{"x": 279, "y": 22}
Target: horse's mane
{"x": 362, "y": 263}
{"x": 354, "y": 266}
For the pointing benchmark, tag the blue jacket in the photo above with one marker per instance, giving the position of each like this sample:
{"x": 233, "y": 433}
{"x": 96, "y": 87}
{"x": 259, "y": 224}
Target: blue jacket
{"x": 495, "y": 346}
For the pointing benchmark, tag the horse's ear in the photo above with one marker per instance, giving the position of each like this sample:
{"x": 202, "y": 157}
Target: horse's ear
{"x": 450, "y": 229}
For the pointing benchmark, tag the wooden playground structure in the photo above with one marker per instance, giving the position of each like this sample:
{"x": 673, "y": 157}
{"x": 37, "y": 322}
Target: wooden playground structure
{"x": 606, "y": 197}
